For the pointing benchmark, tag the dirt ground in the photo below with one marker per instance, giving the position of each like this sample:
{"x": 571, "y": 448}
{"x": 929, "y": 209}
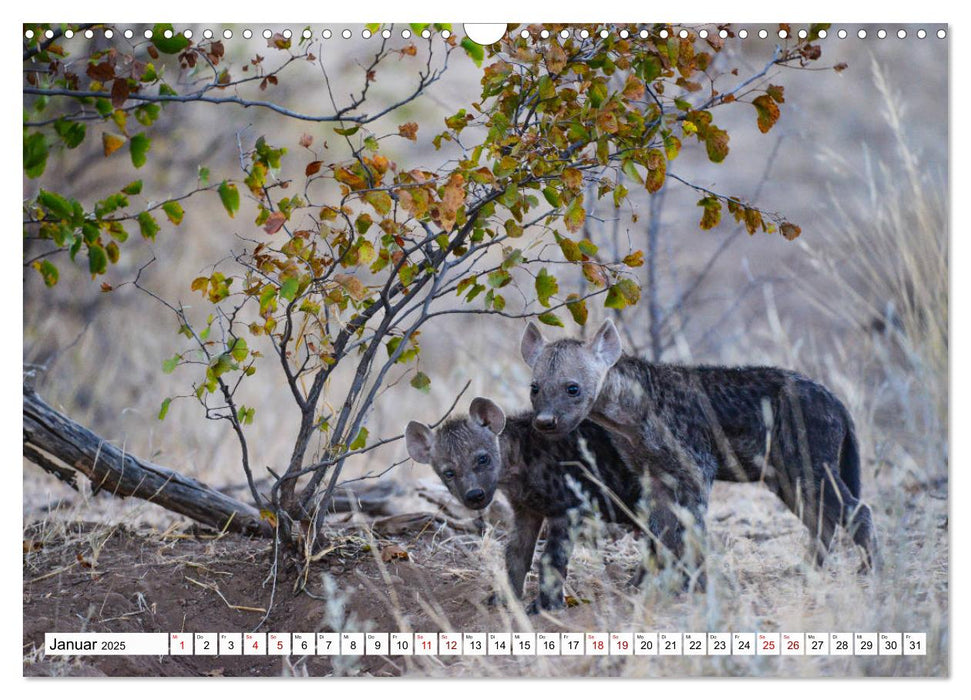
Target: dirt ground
{"x": 97, "y": 578}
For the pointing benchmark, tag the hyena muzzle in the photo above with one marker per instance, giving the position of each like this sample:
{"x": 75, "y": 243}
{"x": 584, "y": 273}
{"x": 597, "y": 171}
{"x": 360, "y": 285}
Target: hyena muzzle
{"x": 556, "y": 480}
{"x": 686, "y": 426}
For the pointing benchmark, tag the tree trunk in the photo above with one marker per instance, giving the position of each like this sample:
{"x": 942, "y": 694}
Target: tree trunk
{"x": 49, "y": 434}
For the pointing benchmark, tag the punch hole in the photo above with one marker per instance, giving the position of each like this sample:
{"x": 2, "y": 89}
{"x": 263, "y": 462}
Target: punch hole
{"x": 386, "y": 34}
{"x": 29, "y": 34}
{"x": 861, "y": 33}
{"x": 524, "y": 34}
{"x": 881, "y": 34}
{"x": 663, "y": 33}
{"x": 346, "y": 33}
{"x": 683, "y": 34}
{"x": 743, "y": 34}
{"x": 307, "y": 34}
{"x": 564, "y": 33}
{"x": 287, "y": 34}
{"x": 763, "y": 34}
{"x": 227, "y": 34}
{"x": 366, "y": 34}
{"x": 604, "y": 33}
{"x": 921, "y": 33}
{"x": 207, "y": 34}
{"x": 545, "y": 34}
{"x": 327, "y": 34}
{"x": 941, "y": 34}
{"x": 129, "y": 33}
{"x": 405, "y": 33}
{"x": 187, "y": 33}
{"x": 267, "y": 33}
{"x": 425, "y": 34}
{"x": 68, "y": 33}
{"x": 247, "y": 34}
{"x": 88, "y": 34}
{"x": 49, "y": 33}
{"x": 584, "y": 34}
{"x": 823, "y": 33}
{"x": 723, "y": 34}
{"x": 841, "y": 33}
{"x": 783, "y": 34}
{"x": 703, "y": 33}
{"x": 109, "y": 33}
{"x": 446, "y": 34}
{"x": 802, "y": 33}
{"x": 643, "y": 34}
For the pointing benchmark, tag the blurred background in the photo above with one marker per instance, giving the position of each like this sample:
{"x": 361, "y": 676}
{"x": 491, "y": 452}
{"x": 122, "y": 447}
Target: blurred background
{"x": 859, "y": 302}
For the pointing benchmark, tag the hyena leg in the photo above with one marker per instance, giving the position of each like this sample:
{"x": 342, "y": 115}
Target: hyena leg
{"x": 553, "y": 564}
{"x": 677, "y": 524}
{"x": 520, "y": 548}
{"x": 856, "y": 517}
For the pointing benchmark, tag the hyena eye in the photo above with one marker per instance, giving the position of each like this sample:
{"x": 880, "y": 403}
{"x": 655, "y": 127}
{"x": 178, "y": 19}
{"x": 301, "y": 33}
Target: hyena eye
{"x": 573, "y": 389}
{"x": 482, "y": 460}
{"x": 534, "y": 388}
{"x": 449, "y": 473}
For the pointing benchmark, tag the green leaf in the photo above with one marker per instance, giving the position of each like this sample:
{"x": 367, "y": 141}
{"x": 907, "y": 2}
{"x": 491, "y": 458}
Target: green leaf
{"x": 239, "y": 349}
{"x": 577, "y": 308}
{"x": 173, "y": 210}
{"x": 138, "y": 147}
{"x": 57, "y": 205}
{"x": 72, "y": 133}
{"x": 229, "y": 196}
{"x": 474, "y": 50}
{"x": 499, "y": 278}
{"x": 550, "y": 319}
{"x": 360, "y": 441}
{"x": 174, "y": 44}
{"x": 133, "y": 188}
{"x": 546, "y": 286}
{"x": 147, "y": 225}
{"x": 97, "y": 260}
{"x": 552, "y": 196}
{"x": 35, "y": 155}
{"x": 48, "y": 271}
{"x": 288, "y": 290}
{"x": 164, "y": 409}
{"x": 169, "y": 365}
{"x": 421, "y": 382}
{"x": 349, "y": 131}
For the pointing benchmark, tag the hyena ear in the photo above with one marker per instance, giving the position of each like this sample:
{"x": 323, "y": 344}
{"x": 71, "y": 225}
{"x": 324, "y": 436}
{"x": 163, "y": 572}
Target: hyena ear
{"x": 419, "y": 440}
{"x": 487, "y": 414}
{"x": 606, "y": 344}
{"x": 532, "y": 344}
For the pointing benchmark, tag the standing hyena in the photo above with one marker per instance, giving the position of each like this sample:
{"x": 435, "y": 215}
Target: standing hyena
{"x": 556, "y": 480}
{"x": 686, "y": 426}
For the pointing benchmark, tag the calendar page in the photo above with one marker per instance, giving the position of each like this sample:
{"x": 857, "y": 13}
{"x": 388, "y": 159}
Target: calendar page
{"x": 457, "y": 350}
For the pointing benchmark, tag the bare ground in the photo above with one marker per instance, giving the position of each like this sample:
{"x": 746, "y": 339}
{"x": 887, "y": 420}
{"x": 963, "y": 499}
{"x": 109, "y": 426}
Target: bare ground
{"x": 99, "y": 578}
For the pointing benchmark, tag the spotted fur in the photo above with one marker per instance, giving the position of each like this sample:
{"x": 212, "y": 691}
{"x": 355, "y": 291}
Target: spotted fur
{"x": 686, "y": 426}
{"x": 559, "y": 481}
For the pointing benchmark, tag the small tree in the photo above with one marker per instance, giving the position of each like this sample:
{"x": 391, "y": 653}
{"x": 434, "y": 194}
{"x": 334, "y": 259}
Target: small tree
{"x": 352, "y": 255}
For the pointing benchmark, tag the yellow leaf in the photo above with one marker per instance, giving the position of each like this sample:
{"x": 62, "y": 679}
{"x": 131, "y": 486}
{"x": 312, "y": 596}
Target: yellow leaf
{"x": 111, "y": 143}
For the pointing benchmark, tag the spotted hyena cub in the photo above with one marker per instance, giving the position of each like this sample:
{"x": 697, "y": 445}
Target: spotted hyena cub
{"x": 557, "y": 480}
{"x": 686, "y": 426}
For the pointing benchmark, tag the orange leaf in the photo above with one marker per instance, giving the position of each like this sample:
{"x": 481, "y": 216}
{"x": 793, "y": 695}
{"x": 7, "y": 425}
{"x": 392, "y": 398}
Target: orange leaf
{"x": 409, "y": 131}
{"x": 111, "y": 143}
{"x": 392, "y": 552}
{"x": 274, "y": 222}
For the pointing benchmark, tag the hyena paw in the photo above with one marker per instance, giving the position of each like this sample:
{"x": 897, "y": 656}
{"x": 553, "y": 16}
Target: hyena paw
{"x": 542, "y": 602}
{"x": 495, "y": 599}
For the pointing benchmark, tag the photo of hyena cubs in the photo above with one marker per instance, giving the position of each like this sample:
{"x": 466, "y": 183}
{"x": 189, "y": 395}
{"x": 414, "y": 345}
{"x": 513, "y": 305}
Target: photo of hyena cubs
{"x": 558, "y": 480}
{"x": 684, "y": 426}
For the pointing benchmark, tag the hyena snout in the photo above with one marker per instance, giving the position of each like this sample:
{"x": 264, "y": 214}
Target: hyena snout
{"x": 545, "y": 422}
{"x": 475, "y": 498}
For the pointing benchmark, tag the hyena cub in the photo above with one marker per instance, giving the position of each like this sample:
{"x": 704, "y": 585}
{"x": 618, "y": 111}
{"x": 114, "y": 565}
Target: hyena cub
{"x": 556, "y": 480}
{"x": 685, "y": 426}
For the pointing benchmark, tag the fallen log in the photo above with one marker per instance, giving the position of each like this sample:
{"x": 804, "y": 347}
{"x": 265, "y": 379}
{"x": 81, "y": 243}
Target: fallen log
{"x": 64, "y": 448}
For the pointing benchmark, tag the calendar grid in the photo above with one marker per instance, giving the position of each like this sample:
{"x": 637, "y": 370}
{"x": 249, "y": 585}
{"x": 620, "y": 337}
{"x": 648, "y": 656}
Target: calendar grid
{"x": 444, "y": 644}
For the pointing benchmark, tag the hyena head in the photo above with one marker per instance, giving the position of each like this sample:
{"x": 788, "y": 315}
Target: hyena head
{"x": 464, "y": 452}
{"x": 567, "y": 376}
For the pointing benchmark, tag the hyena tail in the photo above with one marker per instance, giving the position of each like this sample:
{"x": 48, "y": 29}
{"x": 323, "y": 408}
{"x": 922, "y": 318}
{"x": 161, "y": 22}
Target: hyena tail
{"x": 850, "y": 460}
